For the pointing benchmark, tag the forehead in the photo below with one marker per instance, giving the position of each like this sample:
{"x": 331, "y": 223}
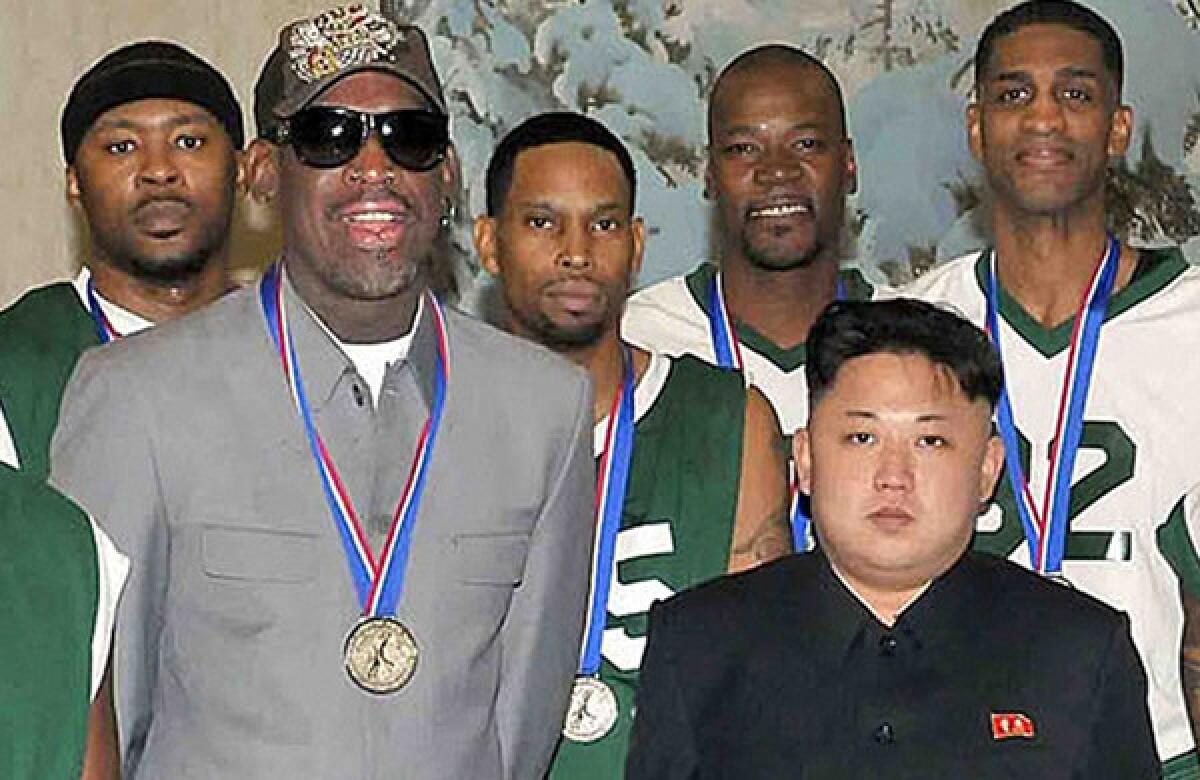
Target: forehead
{"x": 774, "y": 92}
{"x": 153, "y": 112}
{"x": 1045, "y": 48}
{"x": 899, "y": 384}
{"x": 582, "y": 174}
{"x": 372, "y": 90}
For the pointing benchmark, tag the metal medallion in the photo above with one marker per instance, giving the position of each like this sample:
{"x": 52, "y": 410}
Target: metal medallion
{"x": 593, "y": 710}
{"x": 381, "y": 655}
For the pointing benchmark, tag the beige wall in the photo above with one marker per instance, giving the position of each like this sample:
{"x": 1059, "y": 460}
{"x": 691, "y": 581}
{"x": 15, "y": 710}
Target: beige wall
{"x": 44, "y": 46}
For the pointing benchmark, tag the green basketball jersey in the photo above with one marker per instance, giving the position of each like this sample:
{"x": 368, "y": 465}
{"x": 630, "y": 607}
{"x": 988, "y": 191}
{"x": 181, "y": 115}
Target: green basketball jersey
{"x": 676, "y": 528}
{"x": 41, "y": 338}
{"x": 49, "y": 586}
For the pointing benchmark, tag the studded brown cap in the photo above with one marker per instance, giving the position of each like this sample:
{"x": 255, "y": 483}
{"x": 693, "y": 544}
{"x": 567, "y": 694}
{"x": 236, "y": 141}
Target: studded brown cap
{"x": 315, "y": 53}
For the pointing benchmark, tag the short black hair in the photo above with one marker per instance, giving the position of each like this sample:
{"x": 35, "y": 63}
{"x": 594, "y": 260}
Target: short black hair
{"x": 774, "y": 54}
{"x": 556, "y": 127}
{"x": 1060, "y": 12}
{"x": 902, "y": 326}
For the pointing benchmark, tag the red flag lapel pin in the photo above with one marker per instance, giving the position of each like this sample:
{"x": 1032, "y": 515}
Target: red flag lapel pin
{"x": 1012, "y": 725}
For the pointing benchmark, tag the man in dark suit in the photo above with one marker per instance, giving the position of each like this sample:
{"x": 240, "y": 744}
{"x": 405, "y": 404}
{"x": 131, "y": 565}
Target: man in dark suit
{"x": 892, "y": 651}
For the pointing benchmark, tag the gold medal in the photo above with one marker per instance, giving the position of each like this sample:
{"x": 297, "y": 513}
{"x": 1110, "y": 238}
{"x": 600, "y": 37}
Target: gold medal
{"x": 593, "y": 710}
{"x": 381, "y": 655}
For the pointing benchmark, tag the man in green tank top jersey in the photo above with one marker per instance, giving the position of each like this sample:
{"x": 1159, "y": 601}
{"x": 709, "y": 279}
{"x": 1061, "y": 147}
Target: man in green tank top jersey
{"x": 60, "y": 578}
{"x": 152, "y": 139}
{"x": 691, "y": 466}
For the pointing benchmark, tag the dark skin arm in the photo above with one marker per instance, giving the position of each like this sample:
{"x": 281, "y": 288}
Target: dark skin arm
{"x": 100, "y": 759}
{"x": 1190, "y": 659}
{"x": 762, "y": 530}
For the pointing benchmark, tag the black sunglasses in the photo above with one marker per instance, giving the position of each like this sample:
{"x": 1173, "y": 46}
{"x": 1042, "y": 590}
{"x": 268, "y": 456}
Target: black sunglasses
{"x": 329, "y": 136}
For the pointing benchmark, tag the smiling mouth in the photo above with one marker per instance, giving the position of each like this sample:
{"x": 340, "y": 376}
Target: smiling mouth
{"x": 369, "y": 217}
{"x": 781, "y": 210}
{"x": 375, "y": 227}
{"x": 1044, "y": 157}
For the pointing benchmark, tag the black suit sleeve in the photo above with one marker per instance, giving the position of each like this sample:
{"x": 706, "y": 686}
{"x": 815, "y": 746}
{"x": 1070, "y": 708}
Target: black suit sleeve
{"x": 662, "y": 746}
{"x": 1122, "y": 741}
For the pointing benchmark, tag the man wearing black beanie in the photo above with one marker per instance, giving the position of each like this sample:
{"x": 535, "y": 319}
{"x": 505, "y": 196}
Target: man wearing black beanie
{"x": 152, "y": 138}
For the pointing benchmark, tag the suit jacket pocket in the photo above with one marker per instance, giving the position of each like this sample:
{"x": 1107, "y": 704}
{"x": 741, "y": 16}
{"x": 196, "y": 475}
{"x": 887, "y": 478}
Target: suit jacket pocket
{"x": 491, "y": 558}
{"x": 258, "y": 555}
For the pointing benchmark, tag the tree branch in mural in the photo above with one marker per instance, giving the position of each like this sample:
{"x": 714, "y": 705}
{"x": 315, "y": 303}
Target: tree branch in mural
{"x": 1191, "y": 10}
{"x": 511, "y": 59}
{"x": 1191, "y": 133}
{"x": 893, "y": 25}
{"x": 1151, "y": 203}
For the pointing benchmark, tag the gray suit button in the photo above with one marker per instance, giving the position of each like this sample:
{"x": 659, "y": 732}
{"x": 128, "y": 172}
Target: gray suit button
{"x": 357, "y": 392}
{"x": 885, "y": 735}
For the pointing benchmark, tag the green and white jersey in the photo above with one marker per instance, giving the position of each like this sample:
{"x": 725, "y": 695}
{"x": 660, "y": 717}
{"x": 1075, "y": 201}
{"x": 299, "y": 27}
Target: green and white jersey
{"x": 673, "y": 317}
{"x": 676, "y": 526}
{"x": 1135, "y": 496}
{"x": 42, "y": 336}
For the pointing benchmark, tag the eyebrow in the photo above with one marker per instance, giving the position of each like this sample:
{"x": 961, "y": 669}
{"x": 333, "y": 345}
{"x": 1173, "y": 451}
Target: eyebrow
{"x": 1079, "y": 73}
{"x": 170, "y": 122}
{"x": 862, "y": 414}
{"x": 750, "y": 129}
{"x": 549, "y": 206}
{"x": 1025, "y": 76}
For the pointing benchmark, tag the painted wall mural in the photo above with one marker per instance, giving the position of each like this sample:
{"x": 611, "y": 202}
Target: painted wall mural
{"x": 644, "y": 68}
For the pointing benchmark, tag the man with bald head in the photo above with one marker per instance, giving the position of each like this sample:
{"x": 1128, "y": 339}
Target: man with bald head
{"x": 779, "y": 168}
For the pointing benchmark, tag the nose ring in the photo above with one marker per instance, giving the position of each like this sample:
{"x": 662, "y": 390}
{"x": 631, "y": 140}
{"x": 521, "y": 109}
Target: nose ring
{"x": 355, "y": 176}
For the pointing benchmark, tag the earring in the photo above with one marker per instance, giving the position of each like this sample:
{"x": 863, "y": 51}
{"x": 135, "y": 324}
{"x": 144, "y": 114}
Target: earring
{"x": 449, "y": 213}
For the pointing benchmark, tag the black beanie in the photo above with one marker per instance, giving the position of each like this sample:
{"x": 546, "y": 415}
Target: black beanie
{"x": 149, "y": 69}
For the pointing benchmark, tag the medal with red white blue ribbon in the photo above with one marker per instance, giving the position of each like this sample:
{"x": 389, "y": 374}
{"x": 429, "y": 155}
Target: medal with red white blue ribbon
{"x": 728, "y": 352}
{"x": 593, "y": 708}
{"x": 380, "y": 652}
{"x": 1046, "y": 529}
{"x": 104, "y": 329}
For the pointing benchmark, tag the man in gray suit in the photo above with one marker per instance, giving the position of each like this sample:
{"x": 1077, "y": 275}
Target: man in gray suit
{"x": 359, "y": 522}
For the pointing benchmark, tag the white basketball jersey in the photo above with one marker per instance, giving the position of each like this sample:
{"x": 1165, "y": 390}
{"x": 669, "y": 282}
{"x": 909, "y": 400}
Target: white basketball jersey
{"x": 1134, "y": 495}
{"x": 673, "y": 317}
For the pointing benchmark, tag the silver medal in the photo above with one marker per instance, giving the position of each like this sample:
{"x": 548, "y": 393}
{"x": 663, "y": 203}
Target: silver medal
{"x": 593, "y": 710}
